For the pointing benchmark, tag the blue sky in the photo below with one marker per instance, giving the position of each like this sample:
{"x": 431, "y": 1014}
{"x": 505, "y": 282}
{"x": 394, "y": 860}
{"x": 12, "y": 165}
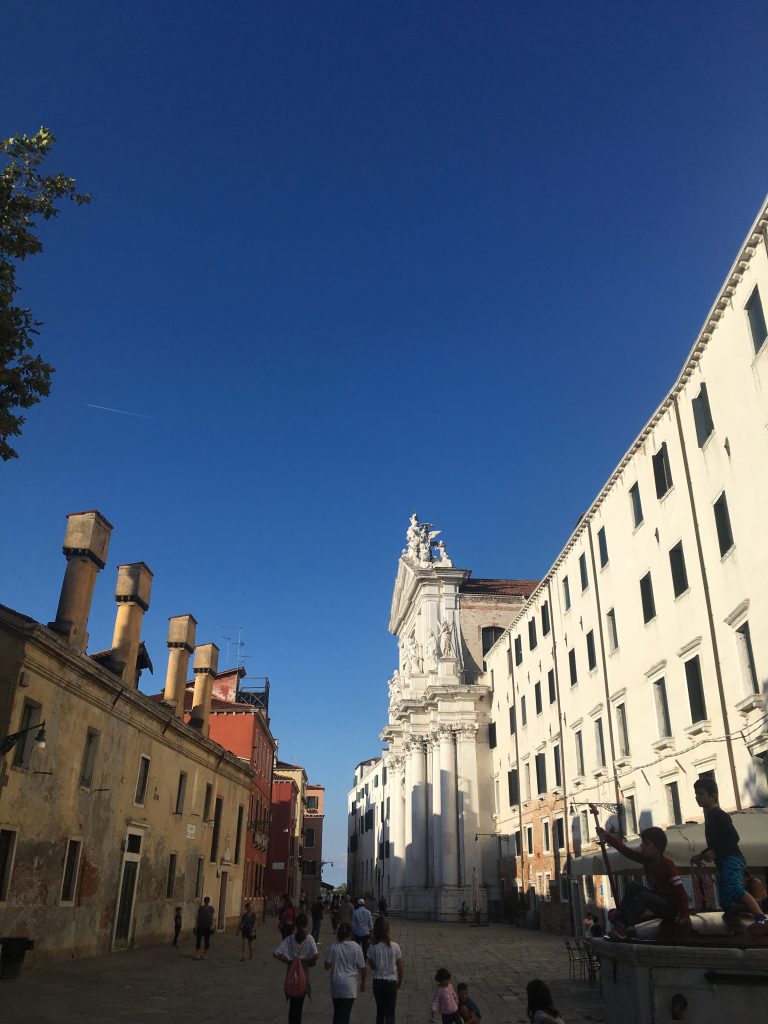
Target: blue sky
{"x": 356, "y": 259}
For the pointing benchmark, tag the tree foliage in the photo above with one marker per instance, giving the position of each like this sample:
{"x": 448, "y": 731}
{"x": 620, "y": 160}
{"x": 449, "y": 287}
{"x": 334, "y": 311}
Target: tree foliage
{"x": 27, "y": 196}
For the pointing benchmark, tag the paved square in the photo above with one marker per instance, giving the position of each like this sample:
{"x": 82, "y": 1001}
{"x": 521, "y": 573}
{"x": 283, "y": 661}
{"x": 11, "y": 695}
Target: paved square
{"x": 161, "y": 982}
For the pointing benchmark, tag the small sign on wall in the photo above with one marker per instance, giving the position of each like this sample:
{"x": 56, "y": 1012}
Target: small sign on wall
{"x": 278, "y": 865}
{"x": 191, "y": 830}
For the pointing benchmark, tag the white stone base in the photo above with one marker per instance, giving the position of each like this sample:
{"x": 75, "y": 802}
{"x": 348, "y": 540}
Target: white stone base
{"x": 437, "y": 903}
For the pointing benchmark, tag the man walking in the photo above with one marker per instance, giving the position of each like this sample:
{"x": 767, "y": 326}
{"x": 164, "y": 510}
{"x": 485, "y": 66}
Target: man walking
{"x": 203, "y": 928}
{"x": 362, "y": 922}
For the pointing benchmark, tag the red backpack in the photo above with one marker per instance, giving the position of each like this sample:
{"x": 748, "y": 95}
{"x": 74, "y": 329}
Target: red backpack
{"x": 295, "y": 980}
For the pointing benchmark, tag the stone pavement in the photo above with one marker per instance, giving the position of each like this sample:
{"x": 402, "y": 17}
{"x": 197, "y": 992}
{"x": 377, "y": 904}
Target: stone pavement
{"x": 160, "y": 982}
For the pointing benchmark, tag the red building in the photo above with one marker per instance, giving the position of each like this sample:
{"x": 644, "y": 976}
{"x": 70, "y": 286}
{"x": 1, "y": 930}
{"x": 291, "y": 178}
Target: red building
{"x": 284, "y": 873}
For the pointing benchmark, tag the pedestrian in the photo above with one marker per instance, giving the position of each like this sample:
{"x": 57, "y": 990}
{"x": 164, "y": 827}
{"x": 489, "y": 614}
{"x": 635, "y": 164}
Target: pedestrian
{"x": 383, "y": 906}
{"x": 297, "y": 945}
{"x": 468, "y": 1008}
{"x": 246, "y": 928}
{"x": 317, "y": 917}
{"x": 362, "y": 923}
{"x": 287, "y": 916}
{"x": 723, "y": 847}
{"x": 176, "y": 926}
{"x": 203, "y": 928}
{"x": 346, "y": 963}
{"x": 666, "y": 897}
{"x": 541, "y": 1008}
{"x": 592, "y": 927}
{"x": 444, "y": 999}
{"x": 386, "y": 960}
{"x": 346, "y": 910}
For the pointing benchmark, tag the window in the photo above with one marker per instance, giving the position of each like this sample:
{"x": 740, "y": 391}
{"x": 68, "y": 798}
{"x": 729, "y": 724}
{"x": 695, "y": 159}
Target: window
{"x": 556, "y": 758}
{"x": 602, "y": 547}
{"x": 723, "y": 524}
{"x": 583, "y": 572}
{"x": 71, "y": 866}
{"x": 747, "y": 658}
{"x": 559, "y": 834}
{"x": 599, "y": 743}
{"x": 637, "y": 505}
{"x": 677, "y": 565}
{"x": 673, "y": 804}
{"x": 518, "y": 837}
{"x": 551, "y": 684}
{"x": 591, "y": 656}
{"x": 207, "y": 801}
{"x": 621, "y": 726}
{"x": 309, "y": 838}
{"x": 512, "y": 722}
{"x": 566, "y": 593}
{"x": 579, "y": 753}
{"x": 589, "y": 888}
{"x": 89, "y": 758}
{"x": 142, "y": 780}
{"x": 537, "y": 697}
{"x": 695, "y": 690}
{"x": 545, "y": 624}
{"x": 170, "y": 883}
{"x": 518, "y": 650}
{"x": 218, "y": 808}
{"x": 572, "y": 665}
{"x": 527, "y": 770}
{"x": 532, "y": 634}
{"x": 238, "y": 833}
{"x": 181, "y": 792}
{"x": 756, "y": 317}
{"x": 630, "y": 815}
{"x": 702, "y": 417}
{"x": 489, "y": 636}
{"x": 523, "y": 712}
{"x": 662, "y": 707}
{"x": 613, "y": 633}
{"x": 541, "y": 773}
{"x": 375, "y": 785}
{"x": 7, "y": 851}
{"x": 492, "y": 735}
{"x": 646, "y": 596}
{"x": 387, "y": 810}
{"x": 662, "y": 474}
{"x": 312, "y": 804}
{"x": 545, "y": 835}
{"x": 513, "y": 786}
{"x": 31, "y": 716}
{"x": 529, "y": 839}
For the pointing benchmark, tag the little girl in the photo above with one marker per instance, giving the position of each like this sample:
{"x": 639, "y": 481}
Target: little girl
{"x": 541, "y": 1009}
{"x": 445, "y": 999}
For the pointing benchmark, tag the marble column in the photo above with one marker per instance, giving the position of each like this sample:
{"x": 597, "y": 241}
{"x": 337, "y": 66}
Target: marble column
{"x": 466, "y": 760}
{"x": 449, "y": 837}
{"x": 416, "y": 795}
{"x": 437, "y": 810}
{"x": 397, "y": 823}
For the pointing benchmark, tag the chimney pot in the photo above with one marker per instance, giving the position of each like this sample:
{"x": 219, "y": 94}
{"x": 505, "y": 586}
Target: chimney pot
{"x": 181, "y": 643}
{"x": 86, "y": 543}
{"x": 205, "y": 664}
{"x": 132, "y": 593}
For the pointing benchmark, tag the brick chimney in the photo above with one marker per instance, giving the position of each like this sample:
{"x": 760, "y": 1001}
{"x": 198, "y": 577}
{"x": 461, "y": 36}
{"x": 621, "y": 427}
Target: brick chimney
{"x": 181, "y": 643}
{"x": 206, "y": 662}
{"x": 86, "y": 543}
{"x": 134, "y": 586}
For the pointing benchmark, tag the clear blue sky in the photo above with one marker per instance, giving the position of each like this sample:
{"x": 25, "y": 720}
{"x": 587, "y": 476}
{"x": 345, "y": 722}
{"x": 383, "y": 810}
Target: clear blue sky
{"x": 359, "y": 258}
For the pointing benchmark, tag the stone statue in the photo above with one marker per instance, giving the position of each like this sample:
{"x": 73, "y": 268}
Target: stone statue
{"x": 413, "y": 538}
{"x": 432, "y": 652}
{"x": 413, "y": 655}
{"x": 444, "y": 559}
{"x": 395, "y": 690}
{"x": 446, "y": 639}
{"x": 419, "y": 540}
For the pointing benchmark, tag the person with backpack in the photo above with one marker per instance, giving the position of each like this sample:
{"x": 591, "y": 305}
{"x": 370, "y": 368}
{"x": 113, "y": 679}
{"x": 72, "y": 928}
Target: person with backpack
{"x": 287, "y": 917}
{"x": 299, "y": 951}
{"x": 345, "y": 961}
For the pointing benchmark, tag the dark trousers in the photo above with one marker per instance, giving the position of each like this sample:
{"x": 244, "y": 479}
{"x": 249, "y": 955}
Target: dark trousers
{"x": 203, "y": 935}
{"x": 342, "y": 1010}
{"x": 638, "y": 900}
{"x": 316, "y": 923}
{"x": 385, "y": 994}
{"x": 295, "y": 1006}
{"x": 364, "y": 941}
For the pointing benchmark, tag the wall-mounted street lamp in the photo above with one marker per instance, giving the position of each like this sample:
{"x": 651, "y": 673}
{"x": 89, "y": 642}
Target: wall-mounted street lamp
{"x": 9, "y": 742}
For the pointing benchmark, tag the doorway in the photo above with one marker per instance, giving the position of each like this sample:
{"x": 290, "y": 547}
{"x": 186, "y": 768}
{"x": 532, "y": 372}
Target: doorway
{"x": 129, "y": 876}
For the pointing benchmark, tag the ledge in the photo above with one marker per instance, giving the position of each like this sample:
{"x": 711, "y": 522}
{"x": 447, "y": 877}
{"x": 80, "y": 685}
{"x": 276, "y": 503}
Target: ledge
{"x": 665, "y": 743}
{"x": 754, "y": 702}
{"x": 703, "y": 728}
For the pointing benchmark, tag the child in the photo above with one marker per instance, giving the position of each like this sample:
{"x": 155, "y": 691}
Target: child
{"x": 541, "y": 1009}
{"x": 468, "y": 1008}
{"x": 176, "y": 926}
{"x": 246, "y": 928}
{"x": 666, "y": 898}
{"x": 723, "y": 847}
{"x": 445, "y": 1000}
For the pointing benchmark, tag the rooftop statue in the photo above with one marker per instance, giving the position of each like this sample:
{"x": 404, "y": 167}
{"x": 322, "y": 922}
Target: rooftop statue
{"x": 420, "y": 541}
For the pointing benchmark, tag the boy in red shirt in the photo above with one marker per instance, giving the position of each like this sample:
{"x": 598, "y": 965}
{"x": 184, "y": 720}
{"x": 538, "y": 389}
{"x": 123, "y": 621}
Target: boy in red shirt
{"x": 666, "y": 897}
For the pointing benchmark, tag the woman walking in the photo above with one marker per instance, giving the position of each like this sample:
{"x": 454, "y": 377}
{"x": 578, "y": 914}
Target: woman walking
{"x": 345, "y": 962}
{"x": 287, "y": 917}
{"x": 297, "y": 946}
{"x": 386, "y": 959}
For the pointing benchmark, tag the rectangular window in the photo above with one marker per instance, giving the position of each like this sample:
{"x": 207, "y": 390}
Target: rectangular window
{"x": 545, "y": 835}
{"x": 527, "y": 776}
{"x": 512, "y": 721}
{"x": 646, "y": 596}
{"x": 621, "y": 727}
{"x": 513, "y": 786}
{"x": 662, "y": 707}
{"x": 551, "y": 684}
{"x": 31, "y": 716}
{"x": 545, "y": 624}
{"x": 518, "y": 649}
{"x": 518, "y": 843}
{"x": 613, "y": 632}
{"x": 541, "y": 773}
{"x": 566, "y": 593}
{"x": 492, "y": 735}
{"x": 673, "y": 804}
{"x": 572, "y": 665}
{"x": 599, "y": 743}
{"x": 747, "y": 658}
{"x": 556, "y": 758}
{"x": 312, "y": 800}
{"x": 583, "y": 572}
{"x": 602, "y": 546}
{"x": 309, "y": 838}
{"x": 559, "y": 834}
{"x": 695, "y": 690}
{"x": 238, "y": 833}
{"x": 662, "y": 474}
{"x": 218, "y": 810}
{"x": 630, "y": 815}
{"x": 71, "y": 866}
{"x": 677, "y": 565}
{"x": 181, "y": 792}
{"x": 523, "y": 712}
{"x": 723, "y": 524}
{"x": 579, "y": 753}
{"x": 637, "y": 505}
{"x": 383, "y": 782}
{"x": 89, "y": 758}
{"x": 207, "y": 801}
{"x": 529, "y": 839}
{"x": 702, "y": 417}
{"x": 7, "y": 850}
{"x": 387, "y": 812}
{"x": 170, "y": 883}
{"x": 532, "y": 634}
{"x": 756, "y": 316}
{"x": 142, "y": 781}
{"x": 591, "y": 656}
{"x": 537, "y": 697}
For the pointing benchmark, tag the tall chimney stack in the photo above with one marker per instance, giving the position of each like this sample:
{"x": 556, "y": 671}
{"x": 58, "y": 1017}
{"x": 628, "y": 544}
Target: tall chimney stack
{"x": 134, "y": 586}
{"x": 86, "y": 543}
{"x": 206, "y": 662}
{"x": 181, "y": 643}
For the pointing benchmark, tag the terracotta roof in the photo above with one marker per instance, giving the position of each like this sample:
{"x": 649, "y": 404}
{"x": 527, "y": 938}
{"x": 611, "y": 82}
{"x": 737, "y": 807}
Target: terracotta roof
{"x": 507, "y": 588}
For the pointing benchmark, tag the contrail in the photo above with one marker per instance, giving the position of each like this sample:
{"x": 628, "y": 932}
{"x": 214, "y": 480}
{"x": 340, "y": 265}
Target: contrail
{"x": 125, "y": 412}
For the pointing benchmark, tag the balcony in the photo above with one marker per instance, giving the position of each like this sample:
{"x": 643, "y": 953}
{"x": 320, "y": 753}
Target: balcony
{"x": 254, "y": 690}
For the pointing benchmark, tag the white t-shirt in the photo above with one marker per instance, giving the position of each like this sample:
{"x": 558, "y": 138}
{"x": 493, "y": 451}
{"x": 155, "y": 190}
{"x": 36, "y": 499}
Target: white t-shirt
{"x": 382, "y": 958}
{"x": 346, "y": 959}
{"x": 290, "y": 948}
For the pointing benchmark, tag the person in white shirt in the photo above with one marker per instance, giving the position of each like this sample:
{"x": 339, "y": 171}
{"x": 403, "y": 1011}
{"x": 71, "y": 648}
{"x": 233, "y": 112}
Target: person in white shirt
{"x": 303, "y": 946}
{"x": 386, "y": 959}
{"x": 362, "y": 922}
{"x": 345, "y": 961}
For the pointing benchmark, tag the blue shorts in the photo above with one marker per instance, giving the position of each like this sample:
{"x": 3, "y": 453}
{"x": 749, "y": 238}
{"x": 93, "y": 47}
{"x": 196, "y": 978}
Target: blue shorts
{"x": 731, "y": 881}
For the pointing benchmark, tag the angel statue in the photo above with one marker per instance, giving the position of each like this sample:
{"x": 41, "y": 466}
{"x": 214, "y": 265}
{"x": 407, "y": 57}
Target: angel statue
{"x": 446, "y": 639}
{"x": 432, "y": 652}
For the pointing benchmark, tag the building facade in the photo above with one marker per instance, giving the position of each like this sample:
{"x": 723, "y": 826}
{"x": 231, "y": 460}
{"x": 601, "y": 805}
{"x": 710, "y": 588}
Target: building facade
{"x": 284, "y": 869}
{"x": 312, "y": 859}
{"x": 367, "y": 814}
